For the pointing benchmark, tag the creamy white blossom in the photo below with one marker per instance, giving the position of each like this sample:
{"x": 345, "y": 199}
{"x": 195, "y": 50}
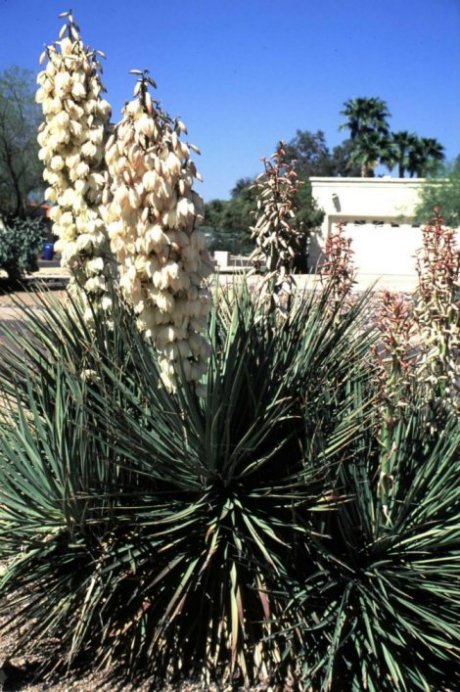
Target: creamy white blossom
{"x": 152, "y": 220}
{"x": 72, "y": 140}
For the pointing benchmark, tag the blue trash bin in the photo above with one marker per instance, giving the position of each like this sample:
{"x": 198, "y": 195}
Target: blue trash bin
{"x": 48, "y": 250}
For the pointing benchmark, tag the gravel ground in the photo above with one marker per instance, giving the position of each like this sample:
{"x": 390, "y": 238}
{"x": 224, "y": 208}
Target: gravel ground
{"x": 20, "y": 673}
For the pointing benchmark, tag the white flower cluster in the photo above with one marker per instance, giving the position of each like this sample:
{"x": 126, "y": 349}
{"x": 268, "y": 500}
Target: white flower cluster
{"x": 72, "y": 140}
{"x": 151, "y": 220}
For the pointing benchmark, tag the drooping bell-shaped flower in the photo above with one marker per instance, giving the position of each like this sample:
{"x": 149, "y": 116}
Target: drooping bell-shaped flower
{"x": 72, "y": 140}
{"x": 152, "y": 218}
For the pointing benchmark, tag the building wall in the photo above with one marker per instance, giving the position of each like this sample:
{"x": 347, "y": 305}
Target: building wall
{"x": 379, "y": 218}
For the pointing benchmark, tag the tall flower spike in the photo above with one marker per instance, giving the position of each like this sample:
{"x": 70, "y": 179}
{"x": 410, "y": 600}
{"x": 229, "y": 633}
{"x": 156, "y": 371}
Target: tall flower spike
{"x": 437, "y": 311}
{"x": 152, "y": 220}
{"x": 396, "y": 369}
{"x": 337, "y": 271}
{"x": 277, "y": 233}
{"x": 72, "y": 139}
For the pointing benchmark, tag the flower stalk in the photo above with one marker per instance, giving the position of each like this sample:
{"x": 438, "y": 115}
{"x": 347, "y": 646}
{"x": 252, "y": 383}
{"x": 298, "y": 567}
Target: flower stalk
{"x": 396, "y": 369}
{"x": 437, "y": 311}
{"x": 72, "y": 140}
{"x": 337, "y": 271}
{"x": 277, "y": 232}
{"x": 152, "y": 218}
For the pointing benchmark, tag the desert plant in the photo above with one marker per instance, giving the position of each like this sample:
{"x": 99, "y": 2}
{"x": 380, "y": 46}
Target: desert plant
{"x": 152, "y": 221}
{"x": 277, "y": 232}
{"x": 153, "y": 527}
{"x": 288, "y": 521}
{"x": 437, "y": 312}
{"x": 376, "y": 608}
{"x": 379, "y": 605}
{"x": 21, "y": 240}
{"x": 72, "y": 139}
{"x": 442, "y": 192}
{"x": 336, "y": 268}
{"x": 397, "y": 361}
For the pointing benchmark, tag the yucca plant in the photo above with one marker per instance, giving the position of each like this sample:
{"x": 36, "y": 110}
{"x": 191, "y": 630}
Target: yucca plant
{"x": 153, "y": 220}
{"x": 72, "y": 139}
{"x": 278, "y": 233}
{"x": 380, "y": 608}
{"x": 155, "y": 528}
{"x": 437, "y": 315}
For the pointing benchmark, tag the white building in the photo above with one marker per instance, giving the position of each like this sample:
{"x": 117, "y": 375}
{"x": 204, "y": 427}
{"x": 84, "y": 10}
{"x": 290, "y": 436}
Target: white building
{"x": 379, "y": 217}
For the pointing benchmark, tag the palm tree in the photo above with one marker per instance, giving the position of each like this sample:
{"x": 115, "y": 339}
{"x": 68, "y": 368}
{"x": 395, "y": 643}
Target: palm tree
{"x": 369, "y": 133}
{"x": 403, "y": 143}
{"x": 370, "y": 149}
{"x": 365, "y": 115}
{"x": 423, "y": 157}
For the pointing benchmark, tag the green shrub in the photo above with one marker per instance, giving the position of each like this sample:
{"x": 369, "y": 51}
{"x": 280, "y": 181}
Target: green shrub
{"x": 263, "y": 533}
{"x": 21, "y": 241}
{"x": 155, "y": 531}
{"x": 378, "y": 608}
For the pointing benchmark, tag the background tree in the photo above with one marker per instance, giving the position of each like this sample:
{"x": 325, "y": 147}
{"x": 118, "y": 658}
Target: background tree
{"x": 308, "y": 212}
{"x": 367, "y": 121}
{"x": 365, "y": 115}
{"x": 227, "y": 222}
{"x": 20, "y": 169}
{"x": 403, "y": 143}
{"x": 369, "y": 150}
{"x": 424, "y": 157}
{"x": 310, "y": 155}
{"x": 442, "y": 193}
{"x": 241, "y": 186}
{"x": 341, "y": 161}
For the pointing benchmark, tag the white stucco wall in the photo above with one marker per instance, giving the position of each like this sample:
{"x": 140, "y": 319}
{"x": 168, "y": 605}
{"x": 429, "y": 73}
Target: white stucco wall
{"x": 367, "y": 197}
{"x": 378, "y": 213}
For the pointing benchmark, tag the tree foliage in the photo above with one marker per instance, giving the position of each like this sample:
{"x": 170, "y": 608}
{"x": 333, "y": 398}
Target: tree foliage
{"x": 311, "y": 156}
{"x": 365, "y": 115}
{"x": 367, "y": 121}
{"x": 442, "y": 193}
{"x": 372, "y": 142}
{"x": 403, "y": 143}
{"x": 21, "y": 240}
{"x": 424, "y": 157}
{"x": 228, "y": 222}
{"x": 20, "y": 169}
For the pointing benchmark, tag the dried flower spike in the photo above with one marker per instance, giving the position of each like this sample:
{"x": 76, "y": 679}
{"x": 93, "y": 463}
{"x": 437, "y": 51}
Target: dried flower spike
{"x": 277, "y": 233}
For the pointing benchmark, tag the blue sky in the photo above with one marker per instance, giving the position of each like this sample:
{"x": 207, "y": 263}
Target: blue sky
{"x": 243, "y": 74}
